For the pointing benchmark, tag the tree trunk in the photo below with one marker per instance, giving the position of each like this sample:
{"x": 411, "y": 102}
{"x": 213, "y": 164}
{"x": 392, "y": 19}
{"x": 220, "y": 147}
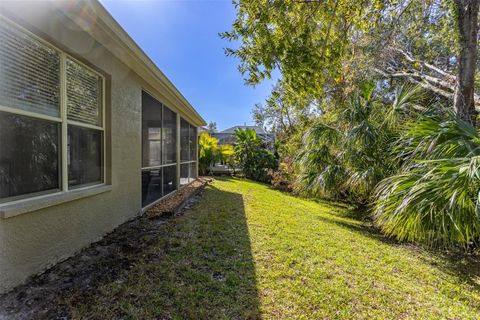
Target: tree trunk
{"x": 467, "y": 21}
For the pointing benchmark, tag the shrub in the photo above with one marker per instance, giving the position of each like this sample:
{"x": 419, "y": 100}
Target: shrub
{"x": 252, "y": 157}
{"x": 207, "y": 149}
{"x": 434, "y": 198}
{"x": 282, "y": 179}
{"x": 345, "y": 156}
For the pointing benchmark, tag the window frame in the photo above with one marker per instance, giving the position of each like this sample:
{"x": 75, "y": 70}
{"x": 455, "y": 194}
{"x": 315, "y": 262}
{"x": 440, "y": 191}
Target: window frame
{"x": 62, "y": 121}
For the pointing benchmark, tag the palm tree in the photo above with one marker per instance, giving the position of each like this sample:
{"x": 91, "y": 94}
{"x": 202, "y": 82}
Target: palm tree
{"x": 434, "y": 198}
{"x": 208, "y": 149}
{"x": 345, "y": 157}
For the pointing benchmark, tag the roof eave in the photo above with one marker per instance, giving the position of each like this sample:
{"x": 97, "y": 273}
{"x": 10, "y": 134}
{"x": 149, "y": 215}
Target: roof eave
{"x": 108, "y": 32}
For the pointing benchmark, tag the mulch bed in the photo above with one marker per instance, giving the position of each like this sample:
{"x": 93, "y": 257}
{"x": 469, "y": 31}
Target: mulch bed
{"x": 104, "y": 261}
{"x": 175, "y": 203}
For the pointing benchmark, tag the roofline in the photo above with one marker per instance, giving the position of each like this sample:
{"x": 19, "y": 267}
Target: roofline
{"x": 110, "y": 34}
{"x": 240, "y": 126}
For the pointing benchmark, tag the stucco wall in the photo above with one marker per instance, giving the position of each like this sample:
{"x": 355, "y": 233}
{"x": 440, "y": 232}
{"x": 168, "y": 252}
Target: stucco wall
{"x": 31, "y": 242}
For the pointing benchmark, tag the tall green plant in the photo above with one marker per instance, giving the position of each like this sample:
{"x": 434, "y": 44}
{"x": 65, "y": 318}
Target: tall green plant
{"x": 345, "y": 156}
{"x": 251, "y": 156}
{"x": 434, "y": 198}
{"x": 208, "y": 150}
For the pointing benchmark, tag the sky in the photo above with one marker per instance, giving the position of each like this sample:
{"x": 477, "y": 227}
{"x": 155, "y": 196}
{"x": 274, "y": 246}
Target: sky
{"x": 181, "y": 37}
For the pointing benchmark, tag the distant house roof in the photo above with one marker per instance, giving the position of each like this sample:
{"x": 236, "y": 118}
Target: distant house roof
{"x": 258, "y": 129}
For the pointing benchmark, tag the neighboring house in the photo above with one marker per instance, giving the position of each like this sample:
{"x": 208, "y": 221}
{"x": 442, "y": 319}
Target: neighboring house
{"x": 228, "y": 136}
{"x": 91, "y": 132}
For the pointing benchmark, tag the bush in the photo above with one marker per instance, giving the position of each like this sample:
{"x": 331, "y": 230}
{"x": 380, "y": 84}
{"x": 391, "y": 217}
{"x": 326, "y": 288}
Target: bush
{"x": 208, "y": 148}
{"x": 282, "y": 179}
{"x": 345, "y": 156}
{"x": 252, "y": 157}
{"x": 210, "y": 153}
{"x": 434, "y": 198}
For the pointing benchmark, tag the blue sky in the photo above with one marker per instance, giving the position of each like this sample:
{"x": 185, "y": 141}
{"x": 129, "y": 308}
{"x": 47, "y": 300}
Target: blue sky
{"x": 181, "y": 37}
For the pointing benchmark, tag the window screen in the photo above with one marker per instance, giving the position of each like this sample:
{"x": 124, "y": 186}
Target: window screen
{"x": 184, "y": 140}
{"x": 84, "y": 156}
{"x": 151, "y": 131}
{"x": 193, "y": 143}
{"x": 184, "y": 177}
{"x": 151, "y": 186}
{"x": 169, "y": 131}
{"x": 29, "y": 72}
{"x": 84, "y": 94}
{"x": 29, "y": 157}
{"x": 31, "y": 138}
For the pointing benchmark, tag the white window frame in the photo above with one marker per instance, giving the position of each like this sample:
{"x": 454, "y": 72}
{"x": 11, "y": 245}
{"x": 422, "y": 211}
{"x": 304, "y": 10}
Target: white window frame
{"x": 63, "y": 121}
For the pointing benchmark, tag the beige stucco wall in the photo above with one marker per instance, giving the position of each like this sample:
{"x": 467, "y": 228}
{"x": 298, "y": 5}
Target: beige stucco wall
{"x": 31, "y": 242}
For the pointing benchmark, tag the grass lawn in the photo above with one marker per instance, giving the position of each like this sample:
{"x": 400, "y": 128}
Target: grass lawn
{"x": 247, "y": 252}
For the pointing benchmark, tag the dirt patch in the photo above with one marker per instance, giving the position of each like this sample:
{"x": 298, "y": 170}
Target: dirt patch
{"x": 104, "y": 261}
{"x": 177, "y": 200}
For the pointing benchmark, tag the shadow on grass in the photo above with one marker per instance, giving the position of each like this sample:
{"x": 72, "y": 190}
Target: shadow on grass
{"x": 199, "y": 267}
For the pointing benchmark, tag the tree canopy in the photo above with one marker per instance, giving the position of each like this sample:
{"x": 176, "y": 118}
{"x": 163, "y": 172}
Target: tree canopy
{"x": 323, "y": 49}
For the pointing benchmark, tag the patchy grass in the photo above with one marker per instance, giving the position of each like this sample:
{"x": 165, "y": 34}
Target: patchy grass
{"x": 246, "y": 252}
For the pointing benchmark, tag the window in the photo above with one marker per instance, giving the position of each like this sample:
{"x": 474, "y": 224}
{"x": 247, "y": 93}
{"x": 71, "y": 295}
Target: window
{"x": 30, "y": 72}
{"x": 51, "y": 118}
{"x": 159, "y": 150}
{"x": 84, "y": 156}
{"x": 84, "y": 104}
{"x": 29, "y": 157}
{"x": 188, "y": 152}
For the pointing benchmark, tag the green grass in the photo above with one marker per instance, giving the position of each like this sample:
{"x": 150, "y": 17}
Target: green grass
{"x": 247, "y": 252}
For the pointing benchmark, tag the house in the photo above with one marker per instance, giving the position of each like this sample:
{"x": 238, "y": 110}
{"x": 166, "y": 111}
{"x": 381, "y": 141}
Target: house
{"x": 92, "y": 133}
{"x": 228, "y": 136}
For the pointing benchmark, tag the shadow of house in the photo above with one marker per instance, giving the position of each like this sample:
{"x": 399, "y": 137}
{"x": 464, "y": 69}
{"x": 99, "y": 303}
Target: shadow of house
{"x": 198, "y": 265}
{"x": 204, "y": 262}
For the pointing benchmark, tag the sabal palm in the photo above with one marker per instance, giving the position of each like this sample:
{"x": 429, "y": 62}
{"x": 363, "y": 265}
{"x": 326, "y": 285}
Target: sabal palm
{"x": 434, "y": 198}
{"x": 347, "y": 157}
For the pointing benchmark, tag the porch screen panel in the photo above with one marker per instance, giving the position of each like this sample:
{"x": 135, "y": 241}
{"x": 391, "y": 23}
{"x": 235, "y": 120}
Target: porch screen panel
{"x": 193, "y": 143}
{"x": 169, "y": 179}
{"x": 151, "y": 131}
{"x": 192, "y": 175}
{"x": 184, "y": 175}
{"x": 184, "y": 140}
{"x": 169, "y": 134}
{"x": 159, "y": 150}
{"x": 29, "y": 72}
{"x": 151, "y": 186}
